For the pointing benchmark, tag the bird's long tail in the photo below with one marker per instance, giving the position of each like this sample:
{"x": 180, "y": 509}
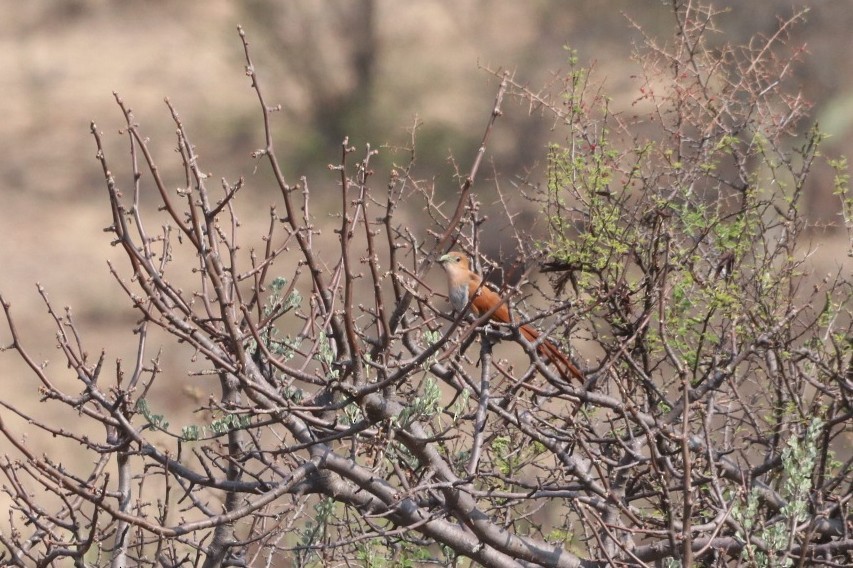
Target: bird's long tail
{"x": 553, "y": 355}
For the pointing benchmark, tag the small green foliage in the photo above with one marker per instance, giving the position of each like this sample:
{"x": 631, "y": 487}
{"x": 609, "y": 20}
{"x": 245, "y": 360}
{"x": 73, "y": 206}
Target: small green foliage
{"x": 314, "y": 534}
{"x": 352, "y": 414}
{"x": 798, "y": 461}
{"x": 293, "y": 300}
{"x": 370, "y": 555}
{"x": 194, "y": 432}
{"x": 572, "y": 57}
{"x": 276, "y": 286}
{"x": 504, "y": 458}
{"x": 558, "y": 536}
{"x": 326, "y": 355}
{"x": 461, "y": 404}
{"x": 841, "y": 188}
{"x": 430, "y": 338}
{"x": 229, "y": 422}
{"x": 293, "y": 394}
{"x": 276, "y": 306}
{"x": 190, "y": 433}
{"x": 157, "y": 421}
{"x": 375, "y": 554}
{"x": 424, "y": 406}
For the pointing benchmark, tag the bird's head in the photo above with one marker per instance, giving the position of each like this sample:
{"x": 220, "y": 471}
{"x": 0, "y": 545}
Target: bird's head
{"x": 454, "y": 260}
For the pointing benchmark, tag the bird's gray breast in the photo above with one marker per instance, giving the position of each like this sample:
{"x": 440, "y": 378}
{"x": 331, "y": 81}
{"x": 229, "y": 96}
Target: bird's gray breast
{"x": 459, "y": 297}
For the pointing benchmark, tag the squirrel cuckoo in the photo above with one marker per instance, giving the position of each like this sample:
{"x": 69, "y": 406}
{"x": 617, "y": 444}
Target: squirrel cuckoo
{"x": 462, "y": 284}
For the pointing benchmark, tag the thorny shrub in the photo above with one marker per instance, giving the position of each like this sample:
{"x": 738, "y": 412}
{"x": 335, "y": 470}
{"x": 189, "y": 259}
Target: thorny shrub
{"x": 354, "y": 418}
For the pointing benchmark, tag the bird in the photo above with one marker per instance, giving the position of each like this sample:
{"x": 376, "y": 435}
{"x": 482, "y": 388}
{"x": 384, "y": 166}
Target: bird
{"x": 463, "y": 283}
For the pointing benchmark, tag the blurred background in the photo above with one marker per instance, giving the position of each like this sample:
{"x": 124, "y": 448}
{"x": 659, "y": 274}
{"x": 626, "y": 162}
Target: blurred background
{"x": 365, "y": 68}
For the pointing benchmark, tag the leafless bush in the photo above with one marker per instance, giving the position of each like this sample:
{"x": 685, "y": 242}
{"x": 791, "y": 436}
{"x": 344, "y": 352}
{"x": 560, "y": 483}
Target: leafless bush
{"x": 356, "y": 422}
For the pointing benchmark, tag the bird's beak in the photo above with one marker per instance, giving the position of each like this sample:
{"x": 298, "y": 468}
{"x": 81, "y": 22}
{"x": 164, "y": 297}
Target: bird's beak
{"x": 444, "y": 259}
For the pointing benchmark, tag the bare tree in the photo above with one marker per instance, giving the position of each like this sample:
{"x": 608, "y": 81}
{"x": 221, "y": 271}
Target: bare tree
{"x": 357, "y": 420}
